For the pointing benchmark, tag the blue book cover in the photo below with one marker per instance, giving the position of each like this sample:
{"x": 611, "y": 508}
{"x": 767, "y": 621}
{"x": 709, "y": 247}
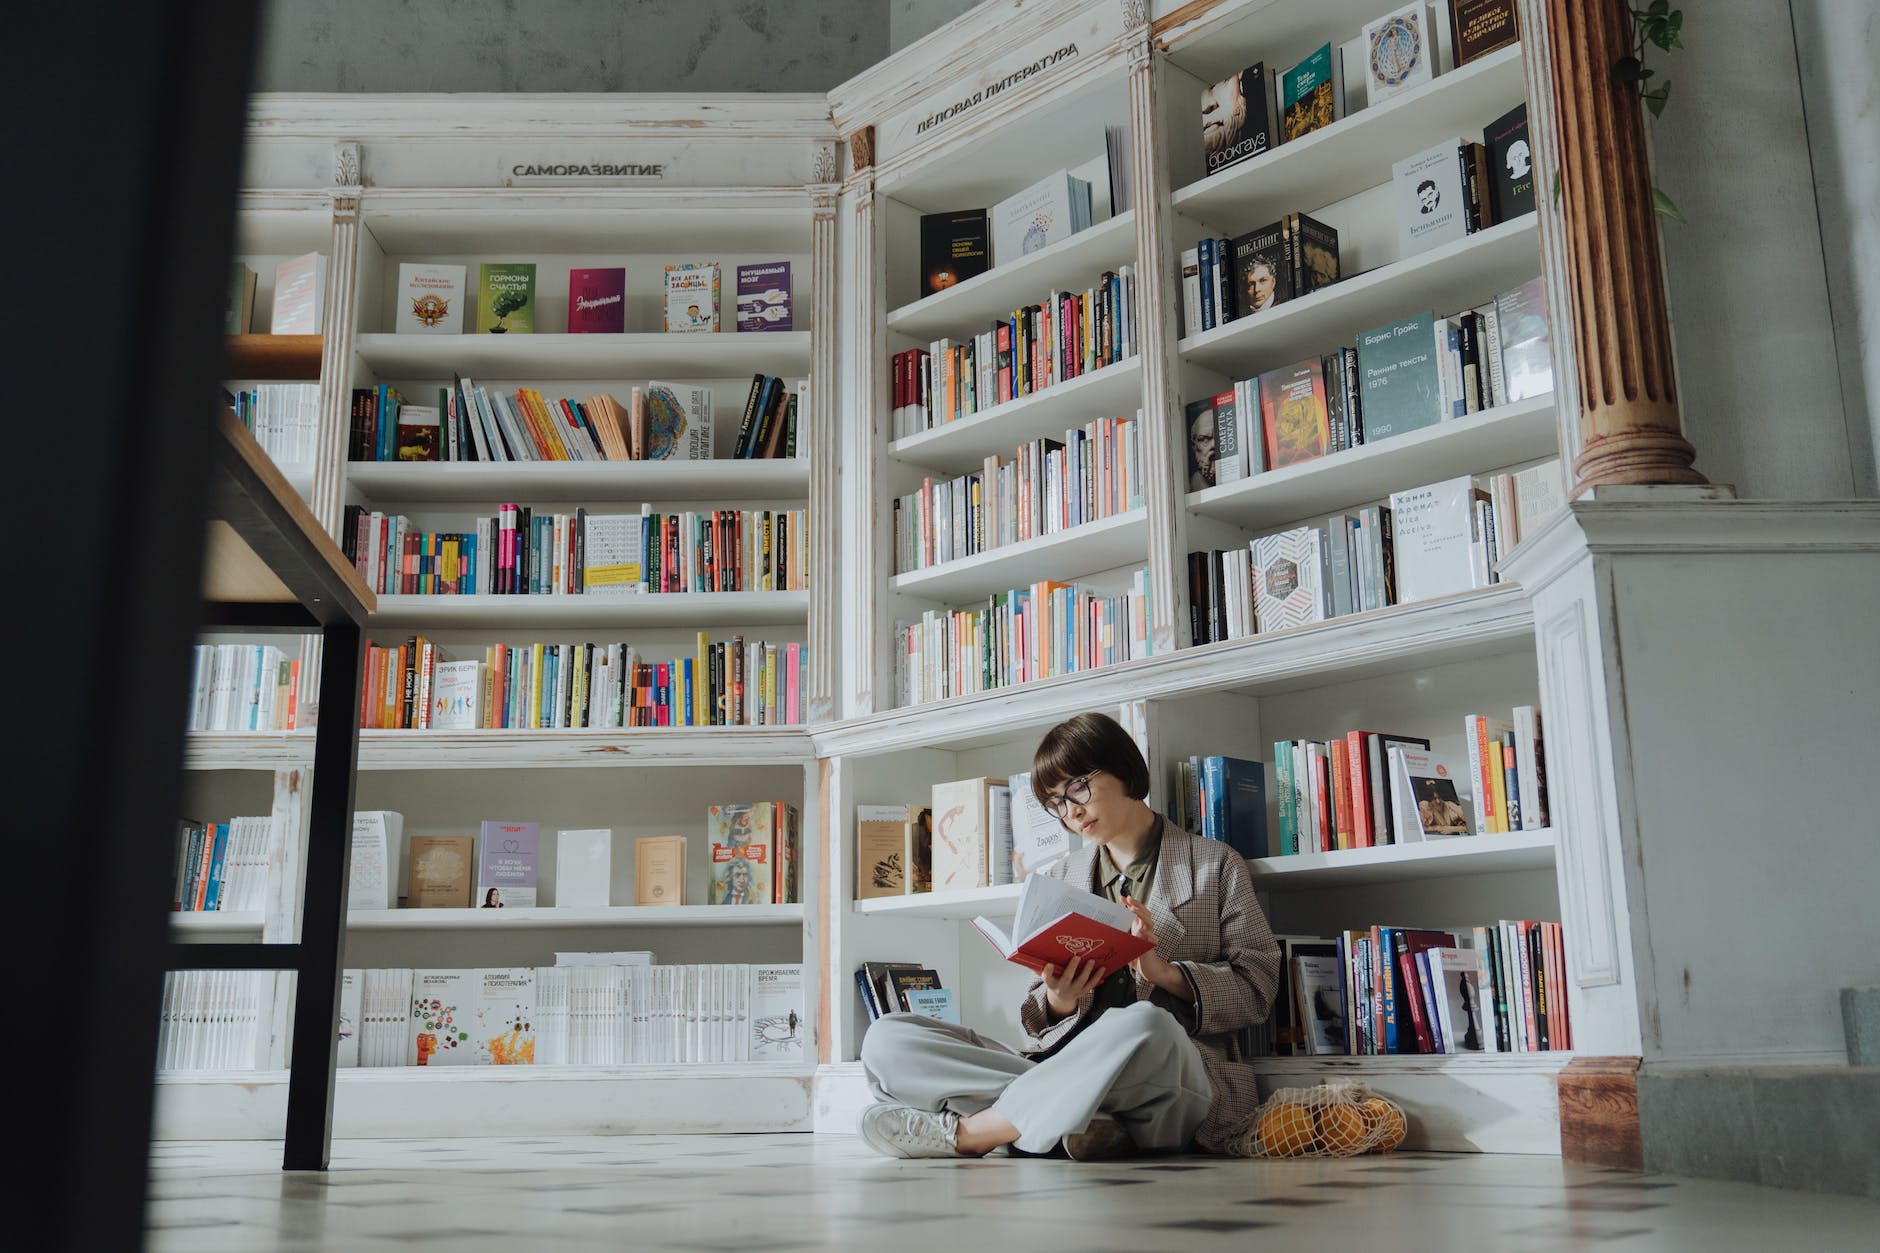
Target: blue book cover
{"x": 1234, "y": 804}
{"x": 212, "y": 895}
{"x": 933, "y": 1002}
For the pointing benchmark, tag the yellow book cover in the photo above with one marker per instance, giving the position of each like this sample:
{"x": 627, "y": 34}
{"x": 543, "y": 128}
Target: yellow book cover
{"x": 701, "y": 681}
{"x": 1498, "y": 780}
{"x": 536, "y": 667}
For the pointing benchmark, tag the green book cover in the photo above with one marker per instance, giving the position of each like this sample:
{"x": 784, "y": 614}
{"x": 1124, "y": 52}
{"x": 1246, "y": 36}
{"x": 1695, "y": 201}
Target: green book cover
{"x": 1306, "y": 95}
{"x": 506, "y": 298}
{"x": 1399, "y": 377}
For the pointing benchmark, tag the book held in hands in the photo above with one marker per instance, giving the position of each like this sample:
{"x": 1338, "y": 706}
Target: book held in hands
{"x": 1056, "y": 922}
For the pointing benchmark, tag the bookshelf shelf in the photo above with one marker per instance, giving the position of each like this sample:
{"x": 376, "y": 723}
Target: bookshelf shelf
{"x": 956, "y": 447}
{"x": 1550, "y": 1062}
{"x": 1398, "y": 863}
{"x": 274, "y": 358}
{"x": 1355, "y": 152}
{"x": 608, "y": 357}
{"x": 1070, "y": 264}
{"x": 1486, "y": 623}
{"x": 1448, "y": 278}
{"x": 1000, "y": 901}
{"x": 721, "y": 479}
{"x": 212, "y": 924}
{"x": 513, "y": 750}
{"x": 1502, "y": 436}
{"x": 673, "y": 609}
{"x": 1098, "y": 545}
{"x": 551, "y": 919}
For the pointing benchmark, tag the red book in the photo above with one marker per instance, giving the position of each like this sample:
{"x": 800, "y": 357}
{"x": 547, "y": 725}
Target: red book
{"x": 1363, "y": 831}
{"x": 1342, "y": 831}
{"x": 597, "y": 301}
{"x": 1055, "y": 922}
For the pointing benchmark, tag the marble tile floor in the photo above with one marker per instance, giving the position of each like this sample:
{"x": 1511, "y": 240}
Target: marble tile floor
{"x": 783, "y": 1192}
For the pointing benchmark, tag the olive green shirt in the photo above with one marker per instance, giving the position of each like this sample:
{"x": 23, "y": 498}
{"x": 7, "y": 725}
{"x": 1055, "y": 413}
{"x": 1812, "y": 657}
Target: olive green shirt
{"x": 1120, "y": 988}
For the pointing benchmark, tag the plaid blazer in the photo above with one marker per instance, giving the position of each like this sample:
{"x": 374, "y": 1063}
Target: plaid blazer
{"x": 1209, "y": 924}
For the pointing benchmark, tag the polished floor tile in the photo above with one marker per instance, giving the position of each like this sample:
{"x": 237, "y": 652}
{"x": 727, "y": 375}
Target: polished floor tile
{"x": 831, "y": 1192}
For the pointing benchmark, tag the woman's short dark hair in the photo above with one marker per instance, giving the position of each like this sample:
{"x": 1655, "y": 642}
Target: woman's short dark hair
{"x": 1084, "y": 745}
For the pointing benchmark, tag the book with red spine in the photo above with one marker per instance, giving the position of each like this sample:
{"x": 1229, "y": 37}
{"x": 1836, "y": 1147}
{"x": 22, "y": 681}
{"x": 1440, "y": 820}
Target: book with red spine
{"x": 1363, "y": 827}
{"x": 1342, "y": 830}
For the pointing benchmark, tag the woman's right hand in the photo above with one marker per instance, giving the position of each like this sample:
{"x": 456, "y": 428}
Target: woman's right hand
{"x": 1063, "y": 989}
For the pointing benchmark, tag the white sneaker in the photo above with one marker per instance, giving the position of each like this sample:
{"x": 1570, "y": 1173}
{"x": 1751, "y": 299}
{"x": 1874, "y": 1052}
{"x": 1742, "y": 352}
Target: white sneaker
{"x": 903, "y": 1131}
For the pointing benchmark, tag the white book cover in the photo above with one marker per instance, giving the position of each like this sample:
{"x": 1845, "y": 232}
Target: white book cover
{"x": 457, "y": 696}
{"x": 615, "y": 555}
{"x": 1044, "y": 213}
{"x": 1426, "y": 788}
{"x": 443, "y": 1010}
{"x": 583, "y": 867}
{"x": 1540, "y": 491}
{"x": 625, "y": 957}
{"x": 299, "y": 295}
{"x": 692, "y": 297}
{"x": 777, "y": 1026}
{"x": 1432, "y": 528}
{"x": 1400, "y": 52}
{"x": 1318, "y": 992}
{"x": 377, "y": 837}
{"x": 430, "y": 299}
{"x": 503, "y": 1030}
{"x": 1038, "y": 838}
{"x": 1466, "y": 1027}
{"x": 678, "y": 422}
{"x": 1429, "y": 199}
{"x": 1289, "y": 579}
{"x": 351, "y": 994}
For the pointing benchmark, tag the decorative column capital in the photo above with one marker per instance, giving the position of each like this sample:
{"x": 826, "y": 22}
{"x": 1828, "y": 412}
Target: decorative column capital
{"x": 862, "y": 149}
{"x": 825, "y": 167}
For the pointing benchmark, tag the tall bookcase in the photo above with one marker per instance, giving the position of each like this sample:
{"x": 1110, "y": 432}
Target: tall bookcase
{"x": 976, "y": 111}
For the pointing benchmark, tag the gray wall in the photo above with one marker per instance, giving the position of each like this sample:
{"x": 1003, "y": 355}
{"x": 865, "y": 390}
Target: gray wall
{"x": 908, "y": 20}
{"x": 572, "y": 45}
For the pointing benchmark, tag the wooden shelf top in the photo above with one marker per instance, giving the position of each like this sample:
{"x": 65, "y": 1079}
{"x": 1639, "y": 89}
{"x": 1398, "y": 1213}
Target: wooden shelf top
{"x": 274, "y": 358}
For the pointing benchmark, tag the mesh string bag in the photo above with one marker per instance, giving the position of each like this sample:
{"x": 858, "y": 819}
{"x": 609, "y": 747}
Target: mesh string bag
{"x": 1326, "y": 1120}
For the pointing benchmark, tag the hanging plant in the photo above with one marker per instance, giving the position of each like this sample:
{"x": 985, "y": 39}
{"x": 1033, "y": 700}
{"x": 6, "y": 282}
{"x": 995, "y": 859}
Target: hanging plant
{"x": 1654, "y": 25}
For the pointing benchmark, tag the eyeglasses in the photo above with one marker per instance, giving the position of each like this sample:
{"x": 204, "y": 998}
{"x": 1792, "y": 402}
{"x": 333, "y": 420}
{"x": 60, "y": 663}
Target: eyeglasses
{"x": 1076, "y": 792}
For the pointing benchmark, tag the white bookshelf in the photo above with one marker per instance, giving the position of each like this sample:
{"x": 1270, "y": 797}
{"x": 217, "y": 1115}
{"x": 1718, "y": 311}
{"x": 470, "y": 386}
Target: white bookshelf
{"x": 663, "y": 609}
{"x": 1398, "y": 863}
{"x": 1098, "y": 545}
{"x": 1072, "y": 264}
{"x": 1457, "y": 275}
{"x": 512, "y": 749}
{"x": 1504, "y": 435}
{"x": 963, "y": 445}
{"x": 214, "y": 924}
{"x": 963, "y": 903}
{"x": 706, "y": 482}
{"x": 558, "y": 919}
{"x": 625, "y": 356}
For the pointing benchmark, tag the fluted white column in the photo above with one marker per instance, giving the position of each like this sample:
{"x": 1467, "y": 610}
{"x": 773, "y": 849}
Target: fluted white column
{"x": 823, "y": 452}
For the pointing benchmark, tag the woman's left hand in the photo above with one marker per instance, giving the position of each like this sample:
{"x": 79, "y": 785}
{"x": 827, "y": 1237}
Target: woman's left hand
{"x": 1147, "y": 965}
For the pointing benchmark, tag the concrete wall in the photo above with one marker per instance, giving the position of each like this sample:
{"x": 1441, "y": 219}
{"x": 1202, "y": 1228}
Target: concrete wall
{"x": 1837, "y": 45}
{"x": 908, "y": 20}
{"x": 570, "y": 45}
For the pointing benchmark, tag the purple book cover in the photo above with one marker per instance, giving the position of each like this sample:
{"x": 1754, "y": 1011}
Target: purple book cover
{"x": 506, "y": 859}
{"x": 764, "y": 296}
{"x": 597, "y": 302}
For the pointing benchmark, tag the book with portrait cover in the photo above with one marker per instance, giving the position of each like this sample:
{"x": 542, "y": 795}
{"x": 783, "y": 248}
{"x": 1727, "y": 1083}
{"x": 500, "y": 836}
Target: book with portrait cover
{"x": 741, "y": 864}
{"x": 1262, "y": 269}
{"x": 692, "y": 297}
{"x": 1510, "y": 164}
{"x": 1425, "y": 803}
{"x": 1308, "y": 94}
{"x": 1239, "y": 117}
{"x": 506, "y": 864}
{"x": 597, "y": 301}
{"x": 954, "y": 247}
{"x": 1055, "y": 922}
{"x": 1432, "y": 205}
{"x": 506, "y": 298}
{"x": 430, "y": 299}
{"x": 1295, "y": 419}
{"x": 1289, "y": 578}
{"x": 764, "y": 297}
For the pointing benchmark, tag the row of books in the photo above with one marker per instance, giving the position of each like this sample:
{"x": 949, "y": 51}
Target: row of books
{"x": 242, "y": 687}
{"x": 1263, "y": 106}
{"x": 211, "y": 1020}
{"x": 431, "y": 299}
{"x": 1224, "y": 280}
{"x": 1048, "y": 486}
{"x": 283, "y": 417}
{"x": 1028, "y": 633}
{"x": 1367, "y": 788}
{"x": 755, "y": 851}
{"x": 1064, "y": 336}
{"x": 1427, "y": 542}
{"x": 222, "y": 865}
{"x": 904, "y": 988}
{"x": 1409, "y": 374}
{"x": 299, "y": 297}
{"x": 589, "y": 1009}
{"x": 962, "y": 244}
{"x": 518, "y": 552}
{"x": 416, "y": 685}
{"x": 1222, "y": 798}
{"x": 1496, "y": 988}
{"x": 988, "y": 832}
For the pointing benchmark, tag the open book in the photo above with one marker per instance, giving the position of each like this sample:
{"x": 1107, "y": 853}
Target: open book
{"x": 1056, "y": 922}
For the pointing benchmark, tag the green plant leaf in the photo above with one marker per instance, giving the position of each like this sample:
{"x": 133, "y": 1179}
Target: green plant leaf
{"x": 1659, "y": 8}
{"x": 1627, "y": 70}
{"x": 1655, "y": 100}
{"x": 1664, "y": 204}
{"x": 1556, "y": 187}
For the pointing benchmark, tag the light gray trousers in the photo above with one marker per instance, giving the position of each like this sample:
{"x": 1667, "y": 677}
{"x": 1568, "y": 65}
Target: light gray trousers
{"x": 1135, "y": 1064}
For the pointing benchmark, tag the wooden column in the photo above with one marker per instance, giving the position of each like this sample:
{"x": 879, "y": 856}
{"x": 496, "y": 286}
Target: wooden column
{"x": 1164, "y": 482}
{"x": 821, "y": 448}
{"x": 1621, "y": 333}
{"x": 1599, "y": 1112}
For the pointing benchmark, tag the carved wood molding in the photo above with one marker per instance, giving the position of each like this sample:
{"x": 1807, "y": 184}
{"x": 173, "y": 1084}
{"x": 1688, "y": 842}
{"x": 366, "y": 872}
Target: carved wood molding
{"x": 862, "y": 149}
{"x": 1621, "y": 333}
{"x": 1599, "y": 1113}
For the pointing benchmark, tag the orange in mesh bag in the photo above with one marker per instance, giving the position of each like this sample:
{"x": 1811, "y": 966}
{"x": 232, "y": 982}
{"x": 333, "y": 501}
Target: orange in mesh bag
{"x": 1329, "y": 1120}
